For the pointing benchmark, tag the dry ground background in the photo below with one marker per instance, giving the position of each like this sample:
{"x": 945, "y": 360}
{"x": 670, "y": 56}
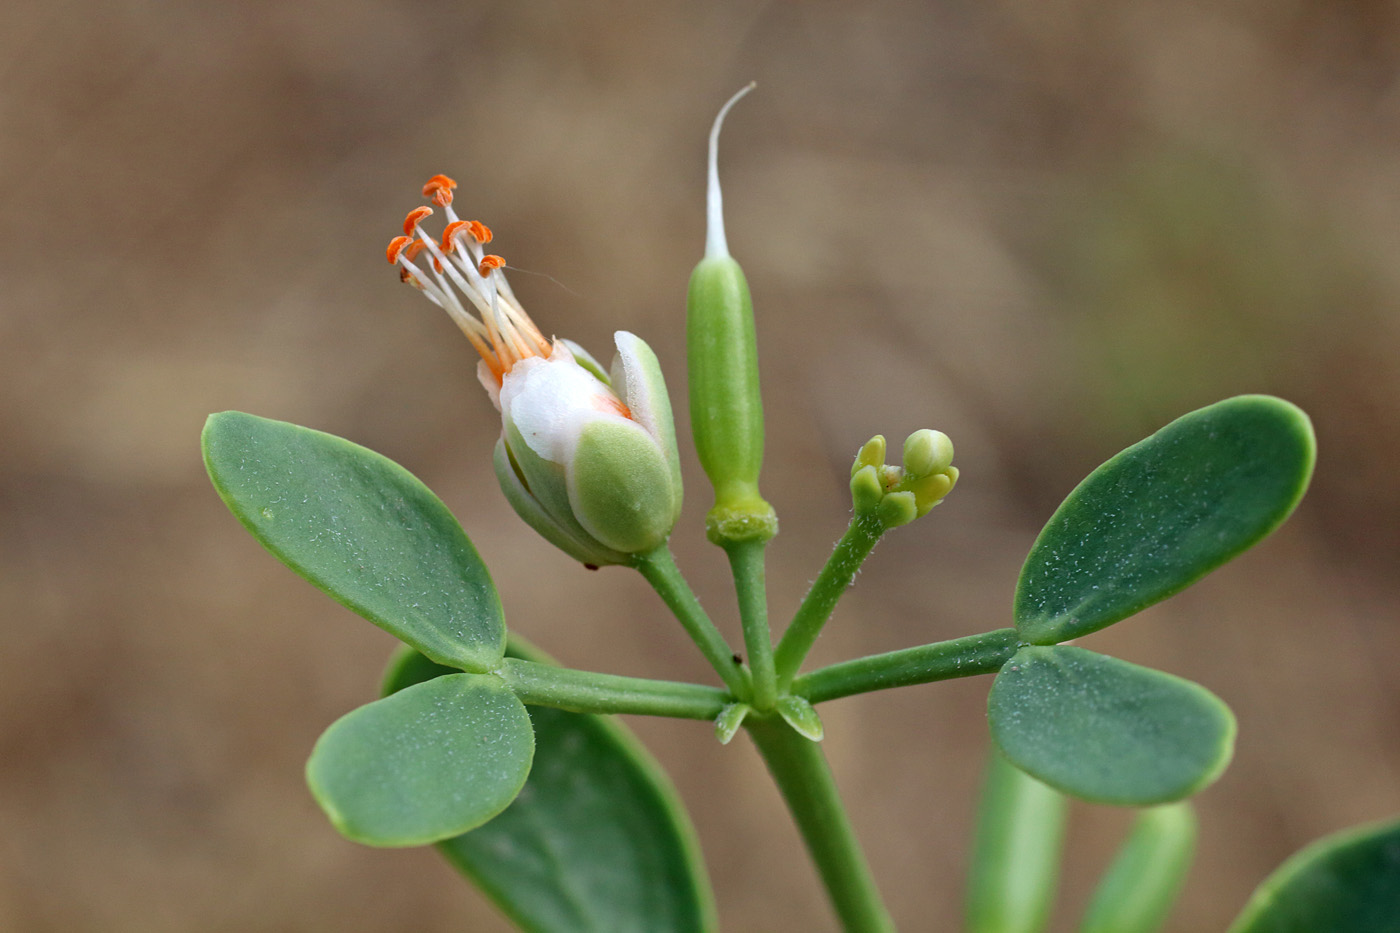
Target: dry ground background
{"x": 1044, "y": 227}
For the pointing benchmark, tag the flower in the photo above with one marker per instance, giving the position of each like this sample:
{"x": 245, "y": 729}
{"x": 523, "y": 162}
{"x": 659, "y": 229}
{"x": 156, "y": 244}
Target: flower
{"x": 586, "y": 456}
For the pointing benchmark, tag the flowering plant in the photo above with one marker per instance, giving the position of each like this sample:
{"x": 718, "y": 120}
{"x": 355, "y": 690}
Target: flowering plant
{"x": 558, "y": 813}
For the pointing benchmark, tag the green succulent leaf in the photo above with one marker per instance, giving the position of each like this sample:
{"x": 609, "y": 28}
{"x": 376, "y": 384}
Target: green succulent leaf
{"x": 364, "y": 530}
{"x": 1016, "y": 856}
{"x": 1164, "y": 513}
{"x": 1140, "y": 887}
{"x": 1108, "y": 731}
{"x": 425, "y": 764}
{"x": 597, "y": 842}
{"x": 1348, "y": 882}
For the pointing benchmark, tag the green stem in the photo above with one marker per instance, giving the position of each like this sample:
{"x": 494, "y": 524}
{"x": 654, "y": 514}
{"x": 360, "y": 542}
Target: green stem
{"x": 588, "y": 692}
{"x": 660, "y": 570}
{"x": 944, "y": 660}
{"x": 800, "y": 770}
{"x": 746, "y": 561}
{"x": 838, "y": 574}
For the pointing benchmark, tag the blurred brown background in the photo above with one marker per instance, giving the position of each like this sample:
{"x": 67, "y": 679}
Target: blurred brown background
{"x": 1044, "y": 227}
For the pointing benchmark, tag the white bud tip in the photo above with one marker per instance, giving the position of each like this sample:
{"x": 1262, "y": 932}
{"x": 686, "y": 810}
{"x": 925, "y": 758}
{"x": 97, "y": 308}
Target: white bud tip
{"x": 716, "y": 246}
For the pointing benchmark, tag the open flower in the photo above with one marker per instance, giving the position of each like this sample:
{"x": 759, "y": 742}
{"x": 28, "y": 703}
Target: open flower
{"x": 587, "y": 457}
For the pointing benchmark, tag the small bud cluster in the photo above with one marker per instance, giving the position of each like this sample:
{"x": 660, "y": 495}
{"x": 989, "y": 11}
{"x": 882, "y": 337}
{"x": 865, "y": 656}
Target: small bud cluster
{"x": 895, "y": 495}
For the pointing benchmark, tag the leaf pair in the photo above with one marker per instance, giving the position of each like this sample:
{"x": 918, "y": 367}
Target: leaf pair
{"x": 431, "y": 762}
{"x": 595, "y": 838}
{"x": 1143, "y": 526}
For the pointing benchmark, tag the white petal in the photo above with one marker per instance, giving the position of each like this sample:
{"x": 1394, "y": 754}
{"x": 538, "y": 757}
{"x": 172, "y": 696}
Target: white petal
{"x": 550, "y": 401}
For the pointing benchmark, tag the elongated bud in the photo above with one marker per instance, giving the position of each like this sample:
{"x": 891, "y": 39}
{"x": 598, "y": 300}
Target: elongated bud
{"x": 726, "y": 411}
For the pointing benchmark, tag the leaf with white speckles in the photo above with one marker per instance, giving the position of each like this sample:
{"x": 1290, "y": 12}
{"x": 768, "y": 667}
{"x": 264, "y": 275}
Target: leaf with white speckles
{"x": 1162, "y": 514}
{"x": 1348, "y": 882}
{"x": 425, "y": 764}
{"x": 364, "y": 530}
{"x": 1106, "y": 730}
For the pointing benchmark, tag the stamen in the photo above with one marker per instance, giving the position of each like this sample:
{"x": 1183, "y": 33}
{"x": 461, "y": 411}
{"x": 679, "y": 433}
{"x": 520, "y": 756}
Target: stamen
{"x": 414, "y": 218}
{"x": 439, "y": 189}
{"x": 396, "y": 246}
{"x": 479, "y": 231}
{"x": 503, "y": 333}
{"x": 449, "y": 234}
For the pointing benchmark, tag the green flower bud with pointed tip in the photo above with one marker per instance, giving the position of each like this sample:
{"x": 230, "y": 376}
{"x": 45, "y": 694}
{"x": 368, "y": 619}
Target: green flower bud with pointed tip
{"x": 726, "y": 411}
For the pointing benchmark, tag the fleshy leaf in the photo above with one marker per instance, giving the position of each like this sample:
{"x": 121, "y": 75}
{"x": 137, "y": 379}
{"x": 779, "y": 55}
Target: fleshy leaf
{"x": 1348, "y": 882}
{"x": 1139, "y": 888}
{"x": 1016, "y": 859}
{"x": 1108, "y": 731}
{"x": 364, "y": 530}
{"x": 597, "y": 841}
{"x": 425, "y": 764}
{"x": 1164, "y": 513}
{"x": 802, "y": 716}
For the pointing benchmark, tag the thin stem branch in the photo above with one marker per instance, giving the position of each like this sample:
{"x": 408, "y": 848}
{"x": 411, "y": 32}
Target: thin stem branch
{"x": 588, "y": 692}
{"x": 750, "y": 584}
{"x": 944, "y": 660}
{"x": 660, "y": 570}
{"x": 838, "y": 574}
{"x": 803, "y": 776}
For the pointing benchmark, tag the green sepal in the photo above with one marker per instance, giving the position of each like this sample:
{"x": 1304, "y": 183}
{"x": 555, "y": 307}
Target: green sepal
{"x": 1348, "y": 882}
{"x": 425, "y": 764}
{"x": 637, "y": 372}
{"x": 597, "y": 842}
{"x": 620, "y": 485}
{"x": 1164, "y": 513}
{"x": 898, "y": 508}
{"x": 729, "y": 720}
{"x": 866, "y": 489}
{"x": 547, "y": 483}
{"x": 569, "y": 537}
{"x": 1108, "y": 731}
{"x": 871, "y": 454}
{"x": 364, "y": 530}
{"x": 1141, "y": 885}
{"x": 802, "y": 716}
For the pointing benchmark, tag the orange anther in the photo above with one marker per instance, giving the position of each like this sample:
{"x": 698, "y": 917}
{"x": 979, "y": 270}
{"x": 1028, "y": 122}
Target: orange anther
{"x": 449, "y": 234}
{"x": 396, "y": 246}
{"x": 436, "y": 182}
{"x": 479, "y": 231}
{"x": 414, "y": 248}
{"x": 488, "y": 263}
{"x": 414, "y": 217}
{"x": 439, "y": 189}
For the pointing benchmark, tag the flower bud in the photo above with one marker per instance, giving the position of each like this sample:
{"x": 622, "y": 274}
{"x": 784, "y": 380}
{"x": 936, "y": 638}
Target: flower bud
{"x": 893, "y": 496}
{"x": 725, "y": 408}
{"x": 591, "y": 465}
